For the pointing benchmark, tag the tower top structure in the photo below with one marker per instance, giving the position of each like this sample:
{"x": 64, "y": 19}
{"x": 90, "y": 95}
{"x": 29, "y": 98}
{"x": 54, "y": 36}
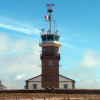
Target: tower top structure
{"x": 50, "y": 55}
{"x": 50, "y": 37}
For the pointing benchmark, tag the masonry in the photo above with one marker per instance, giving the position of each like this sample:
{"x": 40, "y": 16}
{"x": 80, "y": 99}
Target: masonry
{"x": 55, "y": 91}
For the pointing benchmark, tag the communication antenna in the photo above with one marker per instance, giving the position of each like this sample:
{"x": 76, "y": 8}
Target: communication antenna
{"x": 50, "y": 10}
{"x": 42, "y": 30}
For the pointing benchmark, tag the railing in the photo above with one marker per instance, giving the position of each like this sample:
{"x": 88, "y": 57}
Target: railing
{"x": 44, "y": 42}
{"x": 53, "y": 32}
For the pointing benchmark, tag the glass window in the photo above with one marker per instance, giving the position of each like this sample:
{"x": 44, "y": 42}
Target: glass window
{"x": 50, "y": 63}
{"x": 34, "y": 86}
{"x": 65, "y": 86}
{"x": 50, "y": 49}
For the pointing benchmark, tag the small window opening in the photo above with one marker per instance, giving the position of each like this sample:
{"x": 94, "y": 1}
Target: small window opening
{"x": 34, "y": 86}
{"x": 65, "y": 86}
{"x": 50, "y": 63}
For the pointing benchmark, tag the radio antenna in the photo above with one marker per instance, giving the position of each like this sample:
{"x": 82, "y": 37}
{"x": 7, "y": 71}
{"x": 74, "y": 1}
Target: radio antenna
{"x": 50, "y": 10}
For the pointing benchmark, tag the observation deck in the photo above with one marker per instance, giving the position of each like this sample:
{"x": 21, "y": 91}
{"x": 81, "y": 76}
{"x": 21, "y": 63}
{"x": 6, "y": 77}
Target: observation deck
{"x": 50, "y": 40}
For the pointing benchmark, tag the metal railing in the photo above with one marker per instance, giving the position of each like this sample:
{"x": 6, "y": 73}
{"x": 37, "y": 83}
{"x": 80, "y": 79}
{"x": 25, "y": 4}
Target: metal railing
{"x": 50, "y": 41}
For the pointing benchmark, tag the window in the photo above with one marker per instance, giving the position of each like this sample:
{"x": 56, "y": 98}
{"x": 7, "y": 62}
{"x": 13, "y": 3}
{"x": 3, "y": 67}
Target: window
{"x": 50, "y": 49}
{"x": 50, "y": 80}
{"x": 65, "y": 86}
{"x": 50, "y": 63}
{"x": 34, "y": 86}
{"x": 56, "y": 50}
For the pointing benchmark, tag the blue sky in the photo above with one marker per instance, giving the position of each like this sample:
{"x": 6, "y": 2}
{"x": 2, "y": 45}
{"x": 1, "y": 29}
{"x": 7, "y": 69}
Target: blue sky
{"x": 78, "y": 22}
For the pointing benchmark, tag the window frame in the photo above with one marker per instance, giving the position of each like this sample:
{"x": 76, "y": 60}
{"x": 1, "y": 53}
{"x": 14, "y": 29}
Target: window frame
{"x": 34, "y": 86}
{"x": 65, "y": 86}
{"x": 50, "y": 63}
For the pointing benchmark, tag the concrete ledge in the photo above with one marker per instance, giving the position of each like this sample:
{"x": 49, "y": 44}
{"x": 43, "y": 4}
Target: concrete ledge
{"x": 53, "y": 90}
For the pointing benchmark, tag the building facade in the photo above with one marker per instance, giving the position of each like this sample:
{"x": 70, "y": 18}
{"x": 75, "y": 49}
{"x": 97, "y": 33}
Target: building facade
{"x": 36, "y": 83}
{"x": 50, "y": 58}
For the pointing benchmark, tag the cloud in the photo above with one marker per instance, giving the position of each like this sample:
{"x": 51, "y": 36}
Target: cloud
{"x": 16, "y": 67}
{"x": 19, "y": 77}
{"x": 90, "y": 59}
{"x": 68, "y": 45}
{"x": 91, "y": 83}
{"x": 87, "y": 70}
{"x": 17, "y": 26}
{"x": 4, "y": 41}
{"x": 85, "y": 73}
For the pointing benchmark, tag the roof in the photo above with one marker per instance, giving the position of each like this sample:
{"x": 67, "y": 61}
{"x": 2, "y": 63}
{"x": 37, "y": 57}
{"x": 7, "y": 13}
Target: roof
{"x": 59, "y": 75}
{"x": 66, "y": 78}
{"x": 33, "y": 77}
{"x": 2, "y": 86}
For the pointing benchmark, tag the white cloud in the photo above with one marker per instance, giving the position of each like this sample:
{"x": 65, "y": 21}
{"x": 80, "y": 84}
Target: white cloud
{"x": 68, "y": 45}
{"x": 17, "y": 26}
{"x": 16, "y": 67}
{"x": 20, "y": 45}
{"x": 85, "y": 73}
{"x": 19, "y": 77}
{"x": 4, "y": 41}
{"x": 89, "y": 83}
{"x": 90, "y": 59}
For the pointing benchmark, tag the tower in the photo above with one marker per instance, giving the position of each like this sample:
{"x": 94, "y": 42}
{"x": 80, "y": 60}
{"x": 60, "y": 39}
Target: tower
{"x": 50, "y": 56}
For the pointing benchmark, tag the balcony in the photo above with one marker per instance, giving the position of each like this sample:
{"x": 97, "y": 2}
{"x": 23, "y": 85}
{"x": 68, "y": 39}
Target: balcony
{"x": 50, "y": 43}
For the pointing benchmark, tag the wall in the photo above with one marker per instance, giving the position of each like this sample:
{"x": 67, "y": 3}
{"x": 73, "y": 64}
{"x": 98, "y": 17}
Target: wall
{"x": 30, "y": 85}
{"x": 58, "y": 91}
{"x": 36, "y": 80}
{"x": 63, "y": 80}
{"x": 61, "y": 85}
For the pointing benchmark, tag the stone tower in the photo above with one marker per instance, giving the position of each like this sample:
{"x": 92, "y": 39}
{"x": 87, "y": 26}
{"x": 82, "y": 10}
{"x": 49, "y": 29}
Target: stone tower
{"x": 50, "y": 56}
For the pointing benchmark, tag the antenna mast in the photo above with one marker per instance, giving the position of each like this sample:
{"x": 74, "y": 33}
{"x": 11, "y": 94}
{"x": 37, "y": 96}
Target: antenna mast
{"x": 50, "y": 10}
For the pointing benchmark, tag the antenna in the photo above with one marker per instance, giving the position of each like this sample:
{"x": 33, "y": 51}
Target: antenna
{"x": 50, "y": 10}
{"x": 42, "y": 30}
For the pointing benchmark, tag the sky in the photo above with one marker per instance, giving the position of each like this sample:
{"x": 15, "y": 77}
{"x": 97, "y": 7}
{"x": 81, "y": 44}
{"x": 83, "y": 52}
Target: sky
{"x": 78, "y": 22}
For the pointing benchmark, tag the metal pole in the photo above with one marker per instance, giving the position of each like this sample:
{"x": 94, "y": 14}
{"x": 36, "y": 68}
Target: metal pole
{"x": 50, "y": 22}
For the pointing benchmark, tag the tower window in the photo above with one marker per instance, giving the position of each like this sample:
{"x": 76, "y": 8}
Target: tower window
{"x": 50, "y": 63}
{"x": 50, "y": 49}
{"x": 50, "y": 80}
{"x": 65, "y": 86}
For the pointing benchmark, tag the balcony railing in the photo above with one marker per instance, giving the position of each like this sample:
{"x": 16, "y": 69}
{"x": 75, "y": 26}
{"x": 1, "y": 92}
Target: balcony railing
{"x": 44, "y": 42}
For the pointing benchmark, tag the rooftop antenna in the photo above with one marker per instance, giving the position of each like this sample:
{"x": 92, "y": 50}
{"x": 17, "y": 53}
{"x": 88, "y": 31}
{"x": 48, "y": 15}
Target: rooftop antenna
{"x": 50, "y": 10}
{"x": 42, "y": 30}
